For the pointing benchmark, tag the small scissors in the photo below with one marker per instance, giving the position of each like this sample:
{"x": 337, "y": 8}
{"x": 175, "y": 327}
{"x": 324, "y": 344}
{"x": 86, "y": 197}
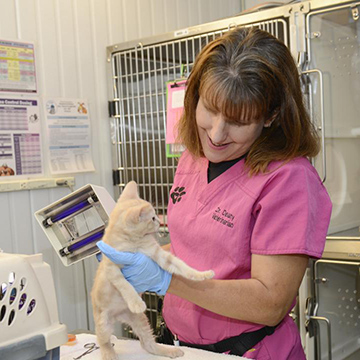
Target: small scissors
{"x": 90, "y": 348}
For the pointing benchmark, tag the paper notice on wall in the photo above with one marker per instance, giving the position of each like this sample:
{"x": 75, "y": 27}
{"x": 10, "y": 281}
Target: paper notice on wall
{"x": 69, "y": 136}
{"x": 174, "y": 108}
{"x": 17, "y": 67}
{"x": 175, "y": 92}
{"x": 20, "y": 139}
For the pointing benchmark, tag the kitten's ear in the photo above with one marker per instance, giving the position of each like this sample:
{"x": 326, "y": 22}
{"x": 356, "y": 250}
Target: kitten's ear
{"x": 130, "y": 191}
{"x": 138, "y": 213}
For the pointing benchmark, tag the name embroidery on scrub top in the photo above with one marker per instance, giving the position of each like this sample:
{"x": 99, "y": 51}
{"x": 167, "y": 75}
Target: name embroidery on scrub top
{"x": 177, "y": 194}
{"x": 223, "y": 217}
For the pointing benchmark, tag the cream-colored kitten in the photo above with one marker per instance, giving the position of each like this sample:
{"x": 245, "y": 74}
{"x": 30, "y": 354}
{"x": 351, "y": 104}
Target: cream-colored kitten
{"x": 131, "y": 227}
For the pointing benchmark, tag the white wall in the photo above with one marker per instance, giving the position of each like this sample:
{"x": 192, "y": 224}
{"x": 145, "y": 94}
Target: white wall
{"x": 247, "y": 4}
{"x": 70, "y": 39}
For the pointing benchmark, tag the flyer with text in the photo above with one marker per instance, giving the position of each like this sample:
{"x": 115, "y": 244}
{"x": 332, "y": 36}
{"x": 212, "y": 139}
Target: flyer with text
{"x": 69, "y": 136}
{"x": 20, "y": 137}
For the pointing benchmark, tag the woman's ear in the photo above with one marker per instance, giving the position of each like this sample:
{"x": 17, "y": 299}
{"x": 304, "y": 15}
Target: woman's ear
{"x": 269, "y": 122}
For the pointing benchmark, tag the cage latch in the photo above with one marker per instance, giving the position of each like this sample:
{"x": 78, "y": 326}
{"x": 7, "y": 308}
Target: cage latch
{"x": 309, "y": 324}
{"x": 116, "y": 177}
{"x": 112, "y": 108}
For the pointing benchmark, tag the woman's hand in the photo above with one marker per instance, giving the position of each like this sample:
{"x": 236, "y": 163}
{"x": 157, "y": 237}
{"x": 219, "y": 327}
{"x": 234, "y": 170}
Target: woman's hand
{"x": 139, "y": 270}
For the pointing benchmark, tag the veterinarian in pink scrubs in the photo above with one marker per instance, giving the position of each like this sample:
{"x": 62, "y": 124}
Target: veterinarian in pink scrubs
{"x": 246, "y": 201}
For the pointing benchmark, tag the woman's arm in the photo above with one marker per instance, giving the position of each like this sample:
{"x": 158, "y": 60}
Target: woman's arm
{"x": 264, "y": 299}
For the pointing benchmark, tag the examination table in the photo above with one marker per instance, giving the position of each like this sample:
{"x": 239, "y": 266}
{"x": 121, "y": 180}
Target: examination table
{"x": 128, "y": 349}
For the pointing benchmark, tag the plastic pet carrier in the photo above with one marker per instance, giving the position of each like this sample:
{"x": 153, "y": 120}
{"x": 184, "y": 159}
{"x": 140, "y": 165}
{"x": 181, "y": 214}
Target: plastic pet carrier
{"x": 29, "y": 324}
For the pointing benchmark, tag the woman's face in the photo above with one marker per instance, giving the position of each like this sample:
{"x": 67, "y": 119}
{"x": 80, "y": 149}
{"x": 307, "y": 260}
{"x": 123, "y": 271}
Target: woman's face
{"x": 224, "y": 140}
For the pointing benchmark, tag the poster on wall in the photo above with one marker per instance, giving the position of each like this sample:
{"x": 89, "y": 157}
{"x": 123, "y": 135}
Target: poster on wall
{"x": 69, "y": 135}
{"x": 20, "y": 138}
{"x": 17, "y": 67}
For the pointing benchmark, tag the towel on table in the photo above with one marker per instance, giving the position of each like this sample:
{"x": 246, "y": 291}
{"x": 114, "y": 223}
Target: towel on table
{"x": 131, "y": 350}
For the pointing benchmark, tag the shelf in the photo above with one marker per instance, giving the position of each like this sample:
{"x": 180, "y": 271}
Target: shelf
{"x": 33, "y": 184}
{"x": 344, "y": 245}
{"x": 350, "y": 234}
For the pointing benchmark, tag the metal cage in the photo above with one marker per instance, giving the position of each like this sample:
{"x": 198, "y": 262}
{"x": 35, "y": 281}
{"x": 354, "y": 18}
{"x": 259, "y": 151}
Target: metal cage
{"x": 138, "y": 107}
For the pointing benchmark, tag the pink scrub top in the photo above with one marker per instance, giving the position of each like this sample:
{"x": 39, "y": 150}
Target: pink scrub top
{"x": 219, "y": 225}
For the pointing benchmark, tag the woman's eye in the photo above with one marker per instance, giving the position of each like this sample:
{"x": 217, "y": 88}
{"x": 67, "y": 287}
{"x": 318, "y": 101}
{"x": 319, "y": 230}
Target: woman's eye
{"x": 212, "y": 111}
{"x": 237, "y": 124}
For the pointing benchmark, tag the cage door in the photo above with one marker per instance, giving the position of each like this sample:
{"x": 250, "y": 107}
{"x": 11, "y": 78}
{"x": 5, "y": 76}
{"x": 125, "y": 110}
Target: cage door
{"x": 333, "y": 41}
{"x": 337, "y": 297}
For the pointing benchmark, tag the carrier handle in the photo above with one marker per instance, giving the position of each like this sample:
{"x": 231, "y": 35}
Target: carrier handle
{"x": 322, "y": 128}
{"x": 328, "y": 327}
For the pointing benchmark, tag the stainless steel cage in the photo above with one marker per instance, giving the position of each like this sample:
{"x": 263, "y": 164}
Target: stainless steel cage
{"x": 139, "y": 74}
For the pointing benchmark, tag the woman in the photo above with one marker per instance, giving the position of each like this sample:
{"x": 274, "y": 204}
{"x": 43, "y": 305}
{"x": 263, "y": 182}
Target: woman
{"x": 252, "y": 207}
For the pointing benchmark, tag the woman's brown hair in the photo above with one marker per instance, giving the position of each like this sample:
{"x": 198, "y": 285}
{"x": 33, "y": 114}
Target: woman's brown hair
{"x": 249, "y": 75}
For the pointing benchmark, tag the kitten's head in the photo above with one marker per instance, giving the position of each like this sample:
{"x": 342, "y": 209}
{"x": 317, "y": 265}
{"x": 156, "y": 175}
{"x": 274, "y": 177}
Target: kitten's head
{"x": 133, "y": 215}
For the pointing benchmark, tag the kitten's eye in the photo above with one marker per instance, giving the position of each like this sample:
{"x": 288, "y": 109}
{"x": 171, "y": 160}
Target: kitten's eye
{"x": 154, "y": 218}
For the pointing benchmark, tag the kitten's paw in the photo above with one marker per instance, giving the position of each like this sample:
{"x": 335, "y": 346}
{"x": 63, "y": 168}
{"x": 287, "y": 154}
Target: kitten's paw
{"x": 137, "y": 307}
{"x": 202, "y": 275}
{"x": 111, "y": 355}
{"x": 175, "y": 352}
{"x": 209, "y": 274}
{"x": 114, "y": 357}
{"x": 168, "y": 351}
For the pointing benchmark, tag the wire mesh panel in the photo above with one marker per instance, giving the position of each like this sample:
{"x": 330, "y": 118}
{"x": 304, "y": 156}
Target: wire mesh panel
{"x": 139, "y": 78}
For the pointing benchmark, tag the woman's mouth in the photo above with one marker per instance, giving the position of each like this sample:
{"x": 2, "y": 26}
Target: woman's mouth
{"x": 216, "y": 146}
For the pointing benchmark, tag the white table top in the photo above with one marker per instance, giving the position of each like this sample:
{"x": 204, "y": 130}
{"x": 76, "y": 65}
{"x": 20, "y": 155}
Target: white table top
{"x": 131, "y": 350}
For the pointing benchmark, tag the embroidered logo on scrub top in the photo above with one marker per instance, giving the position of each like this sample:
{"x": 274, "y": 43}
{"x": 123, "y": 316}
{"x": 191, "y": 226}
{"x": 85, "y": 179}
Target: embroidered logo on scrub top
{"x": 223, "y": 217}
{"x": 177, "y": 194}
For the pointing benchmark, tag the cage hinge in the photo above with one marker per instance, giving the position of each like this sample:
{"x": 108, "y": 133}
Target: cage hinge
{"x": 355, "y": 12}
{"x": 116, "y": 177}
{"x": 112, "y": 108}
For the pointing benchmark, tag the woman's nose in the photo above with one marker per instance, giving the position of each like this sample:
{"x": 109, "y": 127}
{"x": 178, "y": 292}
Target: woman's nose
{"x": 218, "y": 131}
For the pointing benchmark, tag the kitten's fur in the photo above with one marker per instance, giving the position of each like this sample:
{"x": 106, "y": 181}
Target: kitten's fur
{"x": 131, "y": 227}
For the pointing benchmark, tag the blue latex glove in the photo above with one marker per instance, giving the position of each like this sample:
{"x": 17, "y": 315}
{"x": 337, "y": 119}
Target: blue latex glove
{"x": 143, "y": 273}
